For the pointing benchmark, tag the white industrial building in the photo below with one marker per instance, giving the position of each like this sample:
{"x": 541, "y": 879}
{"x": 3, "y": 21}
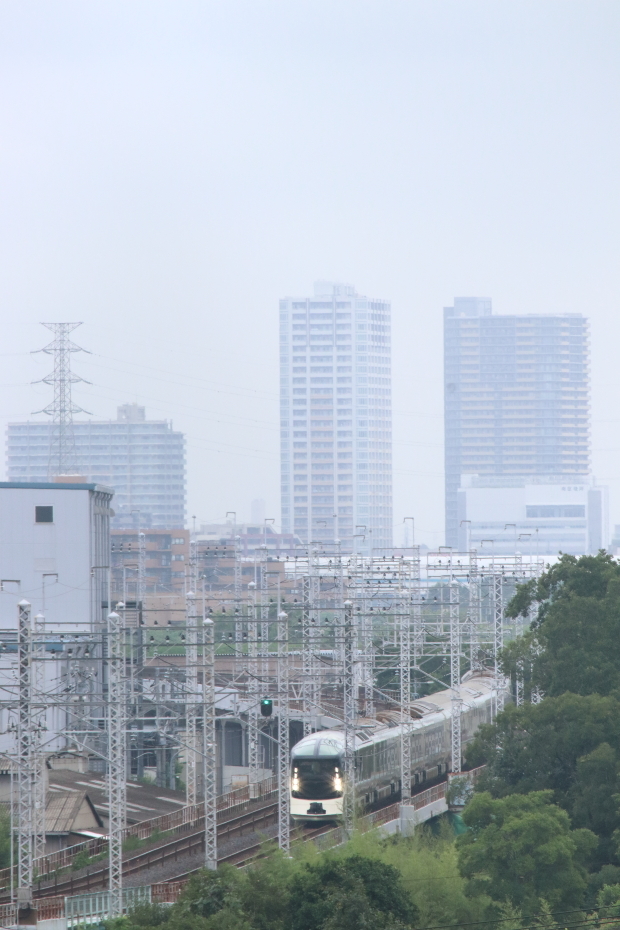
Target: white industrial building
{"x": 54, "y": 554}
{"x": 539, "y": 516}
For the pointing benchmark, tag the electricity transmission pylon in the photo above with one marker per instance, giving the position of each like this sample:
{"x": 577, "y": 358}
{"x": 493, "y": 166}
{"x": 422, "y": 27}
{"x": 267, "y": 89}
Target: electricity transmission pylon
{"x": 62, "y": 457}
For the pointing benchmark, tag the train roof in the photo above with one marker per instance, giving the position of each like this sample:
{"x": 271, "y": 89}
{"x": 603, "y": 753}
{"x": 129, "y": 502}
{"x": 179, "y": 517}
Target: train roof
{"x": 429, "y": 711}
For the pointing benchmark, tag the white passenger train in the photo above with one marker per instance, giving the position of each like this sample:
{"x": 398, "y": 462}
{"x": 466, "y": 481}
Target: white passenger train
{"x": 317, "y": 762}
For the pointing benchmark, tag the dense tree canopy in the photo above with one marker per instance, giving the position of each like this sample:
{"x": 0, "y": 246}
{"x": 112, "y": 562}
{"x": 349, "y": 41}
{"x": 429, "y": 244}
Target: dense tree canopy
{"x": 346, "y": 894}
{"x": 335, "y": 892}
{"x": 574, "y": 644}
{"x": 569, "y": 745}
{"x": 521, "y": 849}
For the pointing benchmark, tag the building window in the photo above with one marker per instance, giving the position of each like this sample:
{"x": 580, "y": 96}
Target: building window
{"x": 43, "y": 514}
{"x": 178, "y": 541}
{"x": 178, "y": 558}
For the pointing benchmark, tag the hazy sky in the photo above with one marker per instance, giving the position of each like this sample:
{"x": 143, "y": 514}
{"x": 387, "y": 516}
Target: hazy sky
{"x": 168, "y": 170}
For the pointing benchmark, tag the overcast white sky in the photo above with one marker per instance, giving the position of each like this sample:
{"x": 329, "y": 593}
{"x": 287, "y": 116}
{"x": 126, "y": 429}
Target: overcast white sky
{"x": 168, "y": 170}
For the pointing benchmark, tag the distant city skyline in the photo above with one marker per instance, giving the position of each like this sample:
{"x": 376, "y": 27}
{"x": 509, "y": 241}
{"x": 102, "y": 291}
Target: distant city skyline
{"x": 336, "y": 418}
{"x": 517, "y": 431}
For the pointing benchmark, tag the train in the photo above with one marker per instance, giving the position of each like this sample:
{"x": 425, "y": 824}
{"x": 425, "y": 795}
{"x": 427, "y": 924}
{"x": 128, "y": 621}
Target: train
{"x": 317, "y": 761}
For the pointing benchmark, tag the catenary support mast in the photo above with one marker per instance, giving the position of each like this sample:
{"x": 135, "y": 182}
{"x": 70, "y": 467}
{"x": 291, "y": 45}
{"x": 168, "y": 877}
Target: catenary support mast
{"x": 348, "y": 687}
{"x": 209, "y": 748}
{"x": 284, "y": 815}
{"x": 25, "y": 767}
{"x": 116, "y": 759}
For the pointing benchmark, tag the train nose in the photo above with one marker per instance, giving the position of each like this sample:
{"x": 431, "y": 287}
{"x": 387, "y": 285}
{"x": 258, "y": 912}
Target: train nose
{"x": 316, "y": 808}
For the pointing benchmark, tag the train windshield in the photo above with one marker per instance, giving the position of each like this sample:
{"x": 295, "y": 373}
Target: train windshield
{"x": 314, "y": 779}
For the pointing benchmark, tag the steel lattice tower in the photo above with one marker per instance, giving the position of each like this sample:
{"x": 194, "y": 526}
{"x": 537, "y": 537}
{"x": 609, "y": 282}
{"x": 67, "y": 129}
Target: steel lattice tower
{"x": 191, "y": 700}
{"x": 498, "y": 637}
{"x": 405, "y": 693}
{"x": 348, "y": 683}
{"x": 38, "y": 717}
{"x": 25, "y": 768}
{"x": 117, "y": 791}
{"x": 456, "y": 703}
{"x": 62, "y": 458}
{"x": 284, "y": 815}
{"x": 254, "y": 760}
{"x": 209, "y": 748}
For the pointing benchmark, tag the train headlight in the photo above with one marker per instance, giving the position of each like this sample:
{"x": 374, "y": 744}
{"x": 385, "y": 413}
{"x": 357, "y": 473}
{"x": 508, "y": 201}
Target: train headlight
{"x": 337, "y": 781}
{"x": 295, "y": 779}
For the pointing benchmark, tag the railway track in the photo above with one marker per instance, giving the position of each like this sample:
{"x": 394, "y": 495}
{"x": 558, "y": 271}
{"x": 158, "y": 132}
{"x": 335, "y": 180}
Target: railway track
{"x": 183, "y": 846}
{"x": 97, "y": 878}
{"x": 190, "y": 844}
{"x": 242, "y": 856}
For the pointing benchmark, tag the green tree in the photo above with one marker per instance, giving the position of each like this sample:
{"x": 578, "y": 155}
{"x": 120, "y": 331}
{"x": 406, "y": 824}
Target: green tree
{"x": 537, "y": 746}
{"x": 354, "y": 892}
{"x": 569, "y": 745}
{"x": 576, "y": 646}
{"x": 208, "y": 892}
{"x": 264, "y": 895}
{"x": 521, "y": 849}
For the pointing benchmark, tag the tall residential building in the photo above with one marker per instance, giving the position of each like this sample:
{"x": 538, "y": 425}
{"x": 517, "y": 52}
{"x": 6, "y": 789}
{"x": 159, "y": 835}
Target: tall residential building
{"x": 336, "y": 418}
{"x": 143, "y": 460}
{"x": 517, "y": 431}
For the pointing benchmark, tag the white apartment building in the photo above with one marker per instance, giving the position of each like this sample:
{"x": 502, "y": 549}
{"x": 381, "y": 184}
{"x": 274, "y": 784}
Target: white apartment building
{"x": 336, "y": 418}
{"x": 143, "y": 460}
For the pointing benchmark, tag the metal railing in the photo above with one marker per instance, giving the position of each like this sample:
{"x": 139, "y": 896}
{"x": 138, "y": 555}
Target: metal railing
{"x": 176, "y": 820}
{"x": 88, "y": 908}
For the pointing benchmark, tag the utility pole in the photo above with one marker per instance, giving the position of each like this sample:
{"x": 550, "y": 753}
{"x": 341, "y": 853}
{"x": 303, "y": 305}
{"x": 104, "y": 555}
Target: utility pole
{"x": 62, "y": 458}
{"x": 117, "y": 792}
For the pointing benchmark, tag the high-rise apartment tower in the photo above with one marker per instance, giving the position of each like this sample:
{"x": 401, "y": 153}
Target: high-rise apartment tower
{"x": 517, "y": 431}
{"x": 336, "y": 418}
{"x": 142, "y": 460}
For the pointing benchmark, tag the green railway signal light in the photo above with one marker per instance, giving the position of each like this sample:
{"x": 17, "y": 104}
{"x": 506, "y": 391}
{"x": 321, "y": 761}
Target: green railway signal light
{"x": 266, "y": 707}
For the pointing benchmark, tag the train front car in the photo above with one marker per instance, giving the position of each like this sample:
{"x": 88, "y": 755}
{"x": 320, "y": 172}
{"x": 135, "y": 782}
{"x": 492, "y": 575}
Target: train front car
{"x": 317, "y": 777}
